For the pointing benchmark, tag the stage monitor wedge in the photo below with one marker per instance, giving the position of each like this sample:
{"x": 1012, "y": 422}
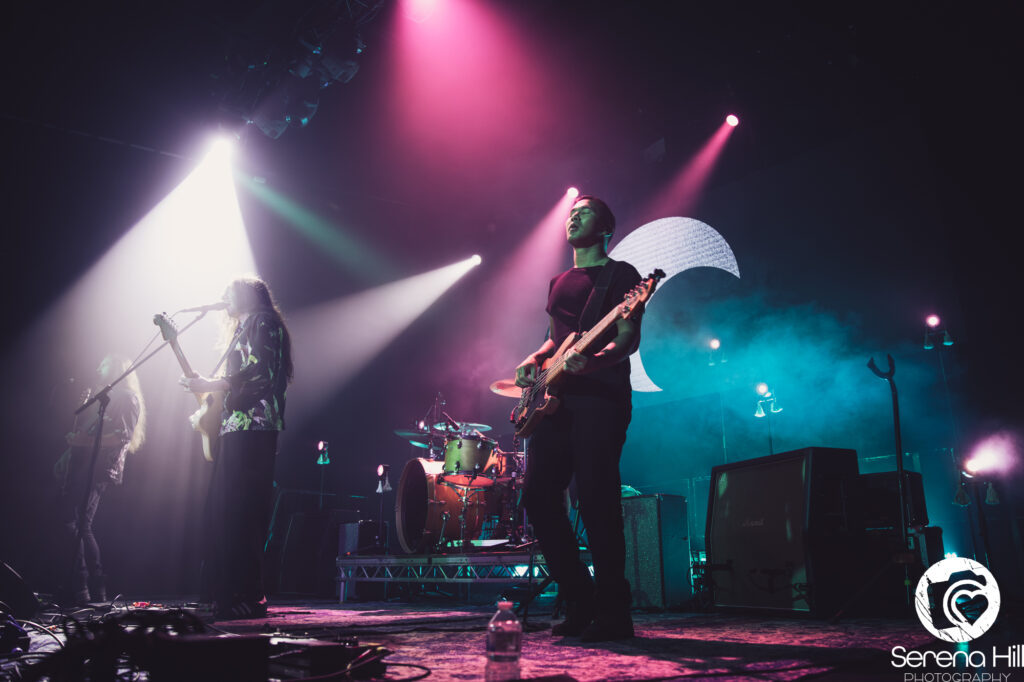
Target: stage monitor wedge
{"x": 777, "y": 532}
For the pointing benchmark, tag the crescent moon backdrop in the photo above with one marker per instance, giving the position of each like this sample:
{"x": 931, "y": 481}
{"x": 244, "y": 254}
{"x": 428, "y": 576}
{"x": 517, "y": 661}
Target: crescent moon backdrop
{"x": 674, "y": 245}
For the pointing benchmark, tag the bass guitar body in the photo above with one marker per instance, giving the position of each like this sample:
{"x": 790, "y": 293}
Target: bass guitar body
{"x": 541, "y": 399}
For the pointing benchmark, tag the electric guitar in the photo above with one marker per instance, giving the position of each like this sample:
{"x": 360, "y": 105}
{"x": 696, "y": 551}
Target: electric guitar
{"x": 206, "y": 420}
{"x": 539, "y": 398}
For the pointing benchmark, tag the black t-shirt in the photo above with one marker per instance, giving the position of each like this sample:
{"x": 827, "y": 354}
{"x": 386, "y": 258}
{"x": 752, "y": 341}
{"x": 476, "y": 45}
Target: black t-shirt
{"x": 567, "y": 298}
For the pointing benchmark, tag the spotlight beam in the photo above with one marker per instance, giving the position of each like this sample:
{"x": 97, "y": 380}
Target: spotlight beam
{"x": 680, "y": 195}
{"x": 343, "y": 247}
{"x": 367, "y": 322}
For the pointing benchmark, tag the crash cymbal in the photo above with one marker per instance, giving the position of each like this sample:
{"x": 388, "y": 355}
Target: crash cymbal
{"x": 507, "y": 388}
{"x": 463, "y": 427}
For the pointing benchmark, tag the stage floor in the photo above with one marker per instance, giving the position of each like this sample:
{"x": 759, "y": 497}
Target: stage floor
{"x": 450, "y": 641}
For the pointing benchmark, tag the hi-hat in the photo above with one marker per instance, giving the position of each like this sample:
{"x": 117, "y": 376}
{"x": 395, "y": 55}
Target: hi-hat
{"x": 420, "y": 439}
{"x": 463, "y": 427}
{"x": 507, "y": 388}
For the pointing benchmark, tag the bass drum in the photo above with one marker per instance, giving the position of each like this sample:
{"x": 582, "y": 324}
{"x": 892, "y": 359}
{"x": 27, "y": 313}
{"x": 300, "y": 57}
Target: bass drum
{"x": 428, "y": 508}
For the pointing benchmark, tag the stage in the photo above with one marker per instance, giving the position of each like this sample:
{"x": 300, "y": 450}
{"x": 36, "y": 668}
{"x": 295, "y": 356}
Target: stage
{"x": 448, "y": 638}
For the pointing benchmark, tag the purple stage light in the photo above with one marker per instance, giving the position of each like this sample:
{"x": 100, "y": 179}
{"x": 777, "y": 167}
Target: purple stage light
{"x": 572, "y": 192}
{"x": 996, "y": 454}
{"x": 420, "y": 10}
{"x": 732, "y": 120}
{"x": 933, "y": 321}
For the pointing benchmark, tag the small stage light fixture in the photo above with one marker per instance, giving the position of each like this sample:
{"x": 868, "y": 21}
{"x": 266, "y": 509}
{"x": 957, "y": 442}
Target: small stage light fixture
{"x": 732, "y": 120}
{"x": 383, "y": 484}
{"x": 572, "y": 192}
{"x": 322, "y": 455}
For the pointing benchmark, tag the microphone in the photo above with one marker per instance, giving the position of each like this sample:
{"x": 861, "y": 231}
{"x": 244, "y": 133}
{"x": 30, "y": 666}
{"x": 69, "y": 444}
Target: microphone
{"x": 452, "y": 424}
{"x": 219, "y": 305}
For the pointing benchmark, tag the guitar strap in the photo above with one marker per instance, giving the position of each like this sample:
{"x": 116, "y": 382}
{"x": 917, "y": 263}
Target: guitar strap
{"x": 231, "y": 347}
{"x": 595, "y": 302}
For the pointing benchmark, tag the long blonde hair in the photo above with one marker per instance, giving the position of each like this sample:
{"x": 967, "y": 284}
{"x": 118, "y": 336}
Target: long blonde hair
{"x": 131, "y": 383}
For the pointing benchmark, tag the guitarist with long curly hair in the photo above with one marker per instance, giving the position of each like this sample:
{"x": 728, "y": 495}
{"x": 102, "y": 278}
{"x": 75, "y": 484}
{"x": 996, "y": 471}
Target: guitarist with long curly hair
{"x": 258, "y": 368}
{"x": 583, "y": 437}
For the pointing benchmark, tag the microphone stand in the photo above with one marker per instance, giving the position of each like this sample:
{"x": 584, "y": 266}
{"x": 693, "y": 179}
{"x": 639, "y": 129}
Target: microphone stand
{"x": 103, "y": 398}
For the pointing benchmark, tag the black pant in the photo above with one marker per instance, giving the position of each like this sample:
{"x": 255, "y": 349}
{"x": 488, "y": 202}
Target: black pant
{"x": 238, "y": 511}
{"x": 86, "y": 563}
{"x": 584, "y": 439}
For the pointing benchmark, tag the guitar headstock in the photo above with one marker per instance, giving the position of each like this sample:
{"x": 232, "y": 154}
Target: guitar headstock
{"x": 641, "y": 292}
{"x": 167, "y": 328}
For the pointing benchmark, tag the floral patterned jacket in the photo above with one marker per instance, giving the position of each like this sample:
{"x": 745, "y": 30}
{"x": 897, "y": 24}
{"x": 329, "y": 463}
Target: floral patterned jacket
{"x": 255, "y": 372}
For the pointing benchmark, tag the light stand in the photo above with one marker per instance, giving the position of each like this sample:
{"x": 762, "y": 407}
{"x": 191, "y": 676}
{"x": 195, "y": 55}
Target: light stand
{"x": 383, "y": 486}
{"x": 323, "y": 458}
{"x": 770, "y": 401}
{"x": 717, "y": 357}
{"x": 940, "y": 339}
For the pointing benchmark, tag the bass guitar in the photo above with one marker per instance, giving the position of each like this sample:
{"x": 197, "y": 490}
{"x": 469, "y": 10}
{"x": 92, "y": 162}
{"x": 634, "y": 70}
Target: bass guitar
{"x": 206, "y": 420}
{"x": 540, "y": 398}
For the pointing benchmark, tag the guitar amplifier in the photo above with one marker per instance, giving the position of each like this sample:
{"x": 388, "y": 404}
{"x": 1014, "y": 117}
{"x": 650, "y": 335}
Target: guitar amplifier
{"x": 778, "y": 536}
{"x": 657, "y": 550}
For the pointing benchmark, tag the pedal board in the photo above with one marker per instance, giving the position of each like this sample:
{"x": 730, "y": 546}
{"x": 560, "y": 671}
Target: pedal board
{"x": 291, "y": 657}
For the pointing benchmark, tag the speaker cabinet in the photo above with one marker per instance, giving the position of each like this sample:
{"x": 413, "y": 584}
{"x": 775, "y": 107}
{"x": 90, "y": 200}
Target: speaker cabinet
{"x": 308, "y": 554}
{"x": 876, "y": 501}
{"x": 777, "y": 532}
{"x": 657, "y": 550}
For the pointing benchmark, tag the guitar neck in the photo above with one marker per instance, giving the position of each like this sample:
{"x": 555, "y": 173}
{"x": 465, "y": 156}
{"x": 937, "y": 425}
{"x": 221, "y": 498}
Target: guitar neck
{"x": 579, "y": 344}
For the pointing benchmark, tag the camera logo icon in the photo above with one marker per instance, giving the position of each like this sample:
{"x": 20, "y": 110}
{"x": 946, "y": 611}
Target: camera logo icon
{"x": 957, "y": 599}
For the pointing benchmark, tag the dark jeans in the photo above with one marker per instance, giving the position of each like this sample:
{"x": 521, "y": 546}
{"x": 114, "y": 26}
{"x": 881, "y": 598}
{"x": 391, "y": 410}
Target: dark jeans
{"x": 86, "y": 563}
{"x": 238, "y": 511}
{"x": 583, "y": 438}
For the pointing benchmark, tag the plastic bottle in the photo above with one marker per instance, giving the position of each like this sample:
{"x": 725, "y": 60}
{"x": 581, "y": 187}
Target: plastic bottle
{"x": 504, "y": 635}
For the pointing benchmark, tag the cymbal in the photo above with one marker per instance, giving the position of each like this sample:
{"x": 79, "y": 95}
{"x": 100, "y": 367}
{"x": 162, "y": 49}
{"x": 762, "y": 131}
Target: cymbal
{"x": 507, "y": 388}
{"x": 420, "y": 439}
{"x": 463, "y": 427}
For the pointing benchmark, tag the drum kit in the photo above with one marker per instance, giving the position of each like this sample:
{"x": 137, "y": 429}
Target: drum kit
{"x": 464, "y": 493}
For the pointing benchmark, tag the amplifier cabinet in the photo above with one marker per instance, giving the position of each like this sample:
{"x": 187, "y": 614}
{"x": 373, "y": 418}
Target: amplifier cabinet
{"x": 657, "y": 550}
{"x": 777, "y": 530}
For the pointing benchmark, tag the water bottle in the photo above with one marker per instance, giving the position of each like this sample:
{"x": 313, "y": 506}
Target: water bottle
{"x": 504, "y": 635}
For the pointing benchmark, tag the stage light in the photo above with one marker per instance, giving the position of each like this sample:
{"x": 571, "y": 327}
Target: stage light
{"x": 932, "y": 321}
{"x": 323, "y": 457}
{"x": 732, "y": 120}
{"x": 221, "y": 147}
{"x": 420, "y": 10}
{"x": 996, "y": 454}
{"x": 947, "y": 340}
{"x": 715, "y": 344}
{"x": 572, "y": 192}
{"x": 476, "y": 260}
{"x": 760, "y": 410}
{"x": 762, "y": 389}
{"x": 383, "y": 484}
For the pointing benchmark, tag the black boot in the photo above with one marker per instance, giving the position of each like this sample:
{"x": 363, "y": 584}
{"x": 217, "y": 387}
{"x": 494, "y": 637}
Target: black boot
{"x": 98, "y": 588}
{"x": 578, "y": 616}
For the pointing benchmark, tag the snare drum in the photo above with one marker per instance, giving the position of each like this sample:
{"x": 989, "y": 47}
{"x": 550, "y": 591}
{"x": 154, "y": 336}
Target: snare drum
{"x": 473, "y": 460}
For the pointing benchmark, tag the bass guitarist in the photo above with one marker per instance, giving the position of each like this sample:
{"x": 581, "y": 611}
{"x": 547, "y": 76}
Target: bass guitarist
{"x": 257, "y": 372}
{"x": 583, "y": 437}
